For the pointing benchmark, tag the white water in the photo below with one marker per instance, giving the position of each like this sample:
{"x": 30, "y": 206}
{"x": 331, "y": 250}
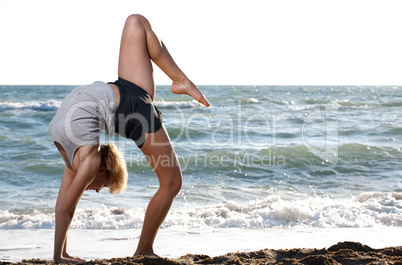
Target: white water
{"x": 365, "y": 211}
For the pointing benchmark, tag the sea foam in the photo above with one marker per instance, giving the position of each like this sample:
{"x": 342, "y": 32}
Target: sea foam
{"x": 50, "y": 105}
{"x": 176, "y": 104}
{"x": 364, "y": 211}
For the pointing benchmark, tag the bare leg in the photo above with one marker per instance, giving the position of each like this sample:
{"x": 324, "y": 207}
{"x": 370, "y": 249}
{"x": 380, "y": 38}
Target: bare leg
{"x": 140, "y": 45}
{"x": 162, "y": 157}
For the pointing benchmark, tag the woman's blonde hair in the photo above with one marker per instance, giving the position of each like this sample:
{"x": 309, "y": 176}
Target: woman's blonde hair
{"x": 116, "y": 164}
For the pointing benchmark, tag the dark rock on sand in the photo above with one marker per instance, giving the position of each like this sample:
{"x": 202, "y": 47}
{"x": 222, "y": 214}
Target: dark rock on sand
{"x": 345, "y": 253}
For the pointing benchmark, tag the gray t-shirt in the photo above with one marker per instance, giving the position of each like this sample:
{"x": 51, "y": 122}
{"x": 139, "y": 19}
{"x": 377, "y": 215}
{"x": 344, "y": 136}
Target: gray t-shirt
{"x": 82, "y": 115}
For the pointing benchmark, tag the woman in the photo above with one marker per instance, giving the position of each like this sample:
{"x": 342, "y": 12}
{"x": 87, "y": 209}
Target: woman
{"x": 126, "y": 107}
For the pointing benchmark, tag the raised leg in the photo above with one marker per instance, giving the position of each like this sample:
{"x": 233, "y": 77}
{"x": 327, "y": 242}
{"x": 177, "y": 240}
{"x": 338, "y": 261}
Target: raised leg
{"x": 139, "y": 45}
{"x": 162, "y": 157}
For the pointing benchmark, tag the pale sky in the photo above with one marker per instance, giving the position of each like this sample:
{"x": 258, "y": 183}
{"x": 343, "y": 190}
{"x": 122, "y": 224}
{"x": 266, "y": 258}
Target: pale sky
{"x": 215, "y": 42}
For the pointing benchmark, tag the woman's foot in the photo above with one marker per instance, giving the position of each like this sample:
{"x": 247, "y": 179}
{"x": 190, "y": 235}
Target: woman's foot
{"x": 146, "y": 253}
{"x": 69, "y": 260}
{"x": 187, "y": 87}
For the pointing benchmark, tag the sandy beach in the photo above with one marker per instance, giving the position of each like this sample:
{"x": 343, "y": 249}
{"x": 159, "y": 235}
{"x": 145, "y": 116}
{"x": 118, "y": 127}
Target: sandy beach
{"x": 340, "y": 253}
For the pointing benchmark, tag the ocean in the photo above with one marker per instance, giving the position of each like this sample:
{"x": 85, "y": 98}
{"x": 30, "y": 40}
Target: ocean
{"x": 263, "y": 167}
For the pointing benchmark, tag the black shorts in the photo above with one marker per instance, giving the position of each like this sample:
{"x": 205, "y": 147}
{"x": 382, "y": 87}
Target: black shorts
{"x": 136, "y": 114}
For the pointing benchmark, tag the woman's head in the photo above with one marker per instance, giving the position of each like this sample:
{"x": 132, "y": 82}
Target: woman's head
{"x": 116, "y": 168}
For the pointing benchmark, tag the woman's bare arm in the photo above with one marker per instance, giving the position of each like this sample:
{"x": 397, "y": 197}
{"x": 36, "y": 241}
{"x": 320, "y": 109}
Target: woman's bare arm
{"x": 71, "y": 190}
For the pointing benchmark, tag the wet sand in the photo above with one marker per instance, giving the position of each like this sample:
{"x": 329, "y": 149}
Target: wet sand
{"x": 341, "y": 253}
